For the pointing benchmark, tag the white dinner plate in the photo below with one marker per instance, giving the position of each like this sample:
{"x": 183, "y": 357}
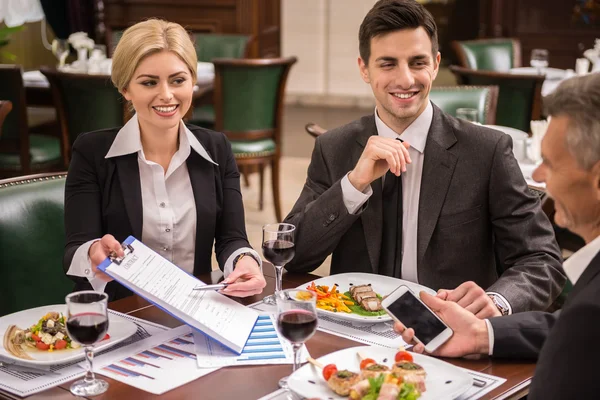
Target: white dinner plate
{"x": 551, "y": 73}
{"x": 443, "y": 381}
{"x": 382, "y": 285}
{"x": 119, "y": 329}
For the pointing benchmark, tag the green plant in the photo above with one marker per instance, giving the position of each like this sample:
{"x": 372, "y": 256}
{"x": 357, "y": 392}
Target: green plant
{"x": 5, "y": 33}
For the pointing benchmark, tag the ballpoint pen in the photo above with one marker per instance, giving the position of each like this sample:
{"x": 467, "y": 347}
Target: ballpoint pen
{"x": 217, "y": 286}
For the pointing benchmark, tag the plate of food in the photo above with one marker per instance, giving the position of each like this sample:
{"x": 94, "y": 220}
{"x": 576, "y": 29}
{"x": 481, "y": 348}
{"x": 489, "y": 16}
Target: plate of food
{"x": 38, "y": 336}
{"x": 356, "y": 296}
{"x": 378, "y": 373}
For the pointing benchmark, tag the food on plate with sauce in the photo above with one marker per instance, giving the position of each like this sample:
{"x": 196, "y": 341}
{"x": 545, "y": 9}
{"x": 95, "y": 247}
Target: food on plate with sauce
{"x": 49, "y": 333}
{"x": 359, "y": 299}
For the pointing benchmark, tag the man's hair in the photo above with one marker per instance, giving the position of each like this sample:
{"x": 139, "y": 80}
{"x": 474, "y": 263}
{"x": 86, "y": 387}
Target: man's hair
{"x": 392, "y": 15}
{"x": 579, "y": 99}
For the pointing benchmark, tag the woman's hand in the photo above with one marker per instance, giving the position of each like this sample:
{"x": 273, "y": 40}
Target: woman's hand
{"x": 101, "y": 249}
{"x": 246, "y": 279}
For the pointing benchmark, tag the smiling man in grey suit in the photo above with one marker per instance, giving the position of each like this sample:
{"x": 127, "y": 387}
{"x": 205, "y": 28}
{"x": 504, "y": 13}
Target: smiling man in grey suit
{"x": 565, "y": 343}
{"x": 446, "y": 205}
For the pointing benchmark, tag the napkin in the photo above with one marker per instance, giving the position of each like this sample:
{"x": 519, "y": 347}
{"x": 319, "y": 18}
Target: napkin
{"x": 538, "y": 130}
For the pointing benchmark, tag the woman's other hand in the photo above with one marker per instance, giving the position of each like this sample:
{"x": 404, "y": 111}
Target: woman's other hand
{"x": 246, "y": 279}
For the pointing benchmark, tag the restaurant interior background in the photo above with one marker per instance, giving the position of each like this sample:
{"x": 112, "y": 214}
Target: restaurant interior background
{"x": 324, "y": 86}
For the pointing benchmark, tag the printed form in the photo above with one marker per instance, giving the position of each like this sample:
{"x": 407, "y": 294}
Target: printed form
{"x": 163, "y": 283}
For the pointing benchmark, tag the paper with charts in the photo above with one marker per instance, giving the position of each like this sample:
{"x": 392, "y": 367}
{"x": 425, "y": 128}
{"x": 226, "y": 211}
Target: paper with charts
{"x": 158, "y": 364}
{"x": 264, "y": 346}
{"x": 163, "y": 283}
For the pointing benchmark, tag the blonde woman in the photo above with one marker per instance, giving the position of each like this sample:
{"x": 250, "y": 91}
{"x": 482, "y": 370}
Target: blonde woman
{"x": 174, "y": 187}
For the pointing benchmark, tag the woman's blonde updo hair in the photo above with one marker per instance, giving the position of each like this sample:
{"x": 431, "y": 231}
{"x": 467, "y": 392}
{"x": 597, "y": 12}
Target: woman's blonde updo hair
{"x": 146, "y": 38}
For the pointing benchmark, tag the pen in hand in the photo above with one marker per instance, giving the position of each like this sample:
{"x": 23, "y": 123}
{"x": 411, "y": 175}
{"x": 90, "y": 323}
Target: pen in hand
{"x": 217, "y": 286}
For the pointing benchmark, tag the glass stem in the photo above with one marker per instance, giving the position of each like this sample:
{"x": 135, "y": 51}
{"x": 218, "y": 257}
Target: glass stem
{"x": 89, "y": 357}
{"x": 297, "y": 361}
{"x": 278, "y": 273}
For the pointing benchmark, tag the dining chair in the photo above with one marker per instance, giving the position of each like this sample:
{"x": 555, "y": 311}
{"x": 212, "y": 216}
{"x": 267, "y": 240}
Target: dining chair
{"x": 84, "y": 103}
{"x": 208, "y": 47}
{"x": 519, "y": 96}
{"x": 314, "y": 130}
{"x": 5, "y": 108}
{"x": 32, "y": 242}
{"x": 21, "y": 152}
{"x": 248, "y": 101}
{"x": 497, "y": 54}
{"x": 484, "y": 99}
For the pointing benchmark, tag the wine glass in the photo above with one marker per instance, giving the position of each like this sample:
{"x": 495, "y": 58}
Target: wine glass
{"x": 278, "y": 248}
{"x": 468, "y": 114}
{"x": 296, "y": 321}
{"x": 60, "y": 49}
{"x": 87, "y": 323}
{"x": 539, "y": 60}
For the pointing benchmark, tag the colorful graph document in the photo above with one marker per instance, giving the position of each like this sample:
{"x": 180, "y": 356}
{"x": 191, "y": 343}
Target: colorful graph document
{"x": 161, "y": 363}
{"x": 169, "y": 287}
{"x": 264, "y": 346}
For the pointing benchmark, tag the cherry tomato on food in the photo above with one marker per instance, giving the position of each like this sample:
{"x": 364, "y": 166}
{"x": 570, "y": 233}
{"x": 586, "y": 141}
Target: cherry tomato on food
{"x": 35, "y": 337}
{"x": 403, "y": 356}
{"x": 366, "y": 362}
{"x": 329, "y": 370}
{"x": 60, "y": 344}
{"x": 42, "y": 346}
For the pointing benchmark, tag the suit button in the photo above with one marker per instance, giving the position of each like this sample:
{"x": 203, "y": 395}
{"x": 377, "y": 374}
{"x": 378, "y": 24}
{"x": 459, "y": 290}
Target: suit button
{"x": 331, "y": 217}
{"x": 162, "y": 205}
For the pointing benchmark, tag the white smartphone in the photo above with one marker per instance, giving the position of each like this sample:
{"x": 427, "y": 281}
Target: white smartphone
{"x": 404, "y": 306}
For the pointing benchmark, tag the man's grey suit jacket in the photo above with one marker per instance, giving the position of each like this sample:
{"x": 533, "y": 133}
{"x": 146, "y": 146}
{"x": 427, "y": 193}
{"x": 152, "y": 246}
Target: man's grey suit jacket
{"x": 476, "y": 218}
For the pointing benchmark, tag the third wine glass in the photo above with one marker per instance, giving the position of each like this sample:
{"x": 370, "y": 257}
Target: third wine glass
{"x": 278, "y": 248}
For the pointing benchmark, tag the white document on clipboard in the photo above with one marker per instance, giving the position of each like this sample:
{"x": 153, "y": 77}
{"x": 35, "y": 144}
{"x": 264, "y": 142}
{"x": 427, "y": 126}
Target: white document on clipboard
{"x": 161, "y": 282}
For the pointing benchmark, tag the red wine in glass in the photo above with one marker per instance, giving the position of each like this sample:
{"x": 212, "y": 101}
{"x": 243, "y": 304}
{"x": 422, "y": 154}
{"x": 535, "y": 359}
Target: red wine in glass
{"x": 297, "y": 326}
{"x": 87, "y": 328}
{"x": 278, "y": 252}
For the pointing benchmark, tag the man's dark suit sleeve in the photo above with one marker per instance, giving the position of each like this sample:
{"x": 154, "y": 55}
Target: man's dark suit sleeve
{"x": 521, "y": 335}
{"x": 230, "y": 231}
{"x": 530, "y": 261}
{"x": 83, "y": 202}
{"x": 568, "y": 366}
{"x": 320, "y": 216}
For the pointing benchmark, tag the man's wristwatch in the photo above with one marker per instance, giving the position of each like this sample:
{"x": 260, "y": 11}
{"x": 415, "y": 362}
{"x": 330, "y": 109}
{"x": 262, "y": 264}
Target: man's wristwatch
{"x": 500, "y": 304}
{"x": 242, "y": 255}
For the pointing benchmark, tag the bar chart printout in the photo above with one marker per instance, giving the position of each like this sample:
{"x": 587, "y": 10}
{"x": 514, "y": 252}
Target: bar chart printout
{"x": 163, "y": 364}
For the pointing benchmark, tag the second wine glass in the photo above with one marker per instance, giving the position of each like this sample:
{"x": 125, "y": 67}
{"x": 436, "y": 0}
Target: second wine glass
{"x": 87, "y": 324}
{"x": 278, "y": 248}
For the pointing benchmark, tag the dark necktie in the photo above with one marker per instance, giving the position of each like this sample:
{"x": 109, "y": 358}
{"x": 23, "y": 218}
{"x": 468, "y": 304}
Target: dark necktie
{"x": 390, "y": 260}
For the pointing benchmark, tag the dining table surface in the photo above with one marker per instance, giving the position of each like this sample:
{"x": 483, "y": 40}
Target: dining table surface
{"x": 254, "y": 382}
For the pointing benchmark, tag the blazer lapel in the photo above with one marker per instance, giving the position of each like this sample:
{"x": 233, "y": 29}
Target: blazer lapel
{"x": 372, "y": 217}
{"x": 438, "y": 167}
{"x": 202, "y": 178}
{"x": 129, "y": 179}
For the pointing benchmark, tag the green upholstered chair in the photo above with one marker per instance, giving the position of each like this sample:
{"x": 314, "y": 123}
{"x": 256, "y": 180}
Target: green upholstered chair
{"x": 481, "y": 98}
{"x": 249, "y": 108}
{"x": 519, "y": 96}
{"x": 21, "y": 152}
{"x": 208, "y": 47}
{"x": 84, "y": 103}
{"x": 32, "y": 242}
{"x": 499, "y": 54}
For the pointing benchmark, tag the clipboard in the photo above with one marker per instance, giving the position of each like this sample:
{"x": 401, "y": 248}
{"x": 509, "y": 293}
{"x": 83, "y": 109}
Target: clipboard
{"x": 169, "y": 288}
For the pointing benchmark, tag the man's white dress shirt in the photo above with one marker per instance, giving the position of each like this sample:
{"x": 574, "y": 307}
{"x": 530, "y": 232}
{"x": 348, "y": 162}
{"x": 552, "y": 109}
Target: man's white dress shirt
{"x": 169, "y": 208}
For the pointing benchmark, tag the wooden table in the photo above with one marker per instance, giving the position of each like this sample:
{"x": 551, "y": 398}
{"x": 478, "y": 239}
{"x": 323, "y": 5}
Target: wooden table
{"x": 254, "y": 382}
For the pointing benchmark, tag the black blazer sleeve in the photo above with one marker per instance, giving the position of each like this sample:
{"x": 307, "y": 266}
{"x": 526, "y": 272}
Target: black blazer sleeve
{"x": 522, "y": 335}
{"x": 83, "y": 202}
{"x": 230, "y": 231}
